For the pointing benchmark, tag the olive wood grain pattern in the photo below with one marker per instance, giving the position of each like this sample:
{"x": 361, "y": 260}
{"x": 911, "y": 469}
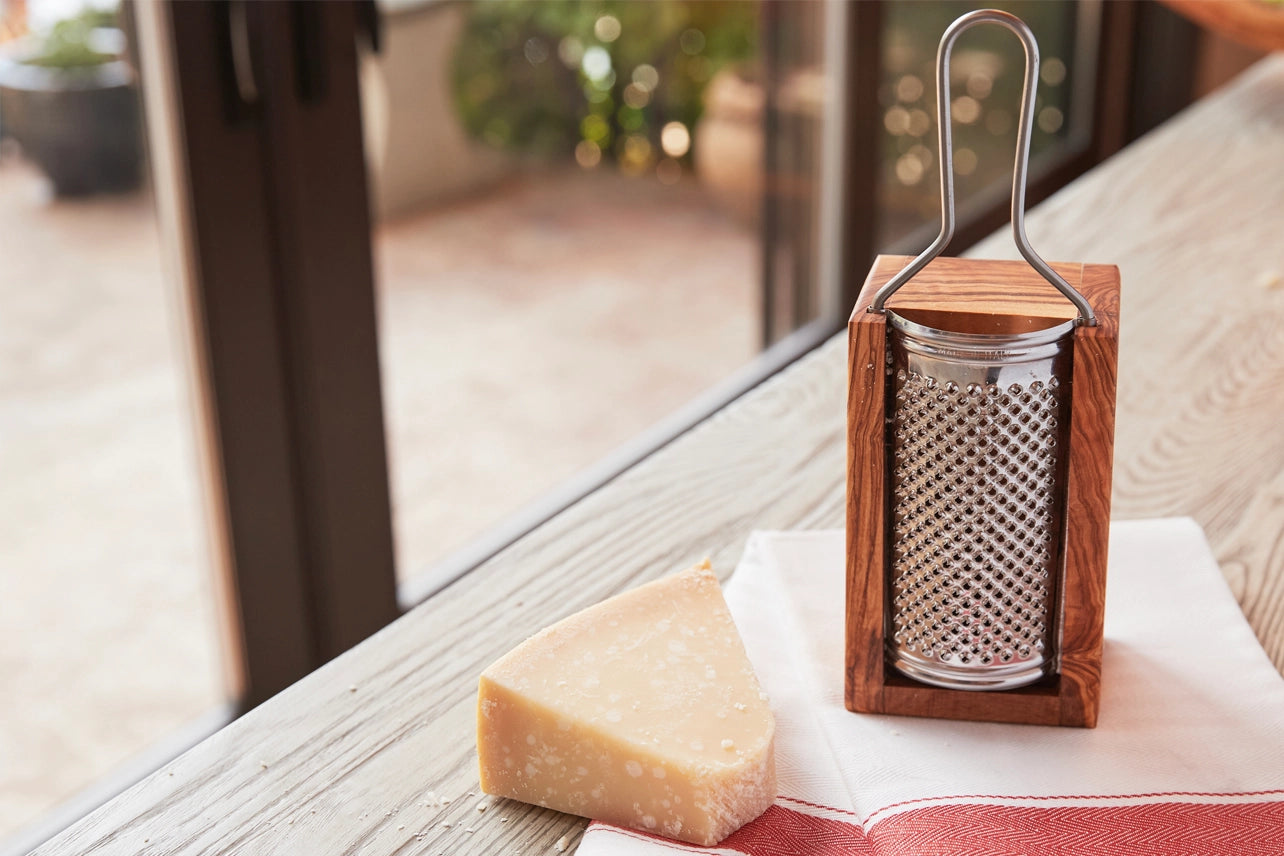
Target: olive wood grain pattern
{"x": 985, "y": 296}
{"x": 1094, "y": 370}
{"x": 866, "y": 501}
{"x": 1191, "y": 215}
{"x": 1040, "y": 704}
{"x": 1002, "y": 291}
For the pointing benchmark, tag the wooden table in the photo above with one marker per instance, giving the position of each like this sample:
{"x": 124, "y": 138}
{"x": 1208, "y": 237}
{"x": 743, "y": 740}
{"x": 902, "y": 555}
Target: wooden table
{"x": 350, "y": 759}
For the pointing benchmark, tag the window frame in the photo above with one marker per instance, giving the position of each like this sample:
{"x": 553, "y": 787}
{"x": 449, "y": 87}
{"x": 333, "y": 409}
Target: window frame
{"x": 282, "y": 331}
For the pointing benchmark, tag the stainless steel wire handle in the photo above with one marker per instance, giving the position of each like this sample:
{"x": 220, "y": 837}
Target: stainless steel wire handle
{"x": 945, "y": 146}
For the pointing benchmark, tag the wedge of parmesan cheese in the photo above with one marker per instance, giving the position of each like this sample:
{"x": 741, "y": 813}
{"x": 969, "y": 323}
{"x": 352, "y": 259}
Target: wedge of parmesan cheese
{"x": 642, "y": 711}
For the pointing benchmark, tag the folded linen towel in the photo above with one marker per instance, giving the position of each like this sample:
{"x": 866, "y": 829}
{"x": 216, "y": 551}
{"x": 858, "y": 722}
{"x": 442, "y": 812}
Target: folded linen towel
{"x": 1187, "y": 757}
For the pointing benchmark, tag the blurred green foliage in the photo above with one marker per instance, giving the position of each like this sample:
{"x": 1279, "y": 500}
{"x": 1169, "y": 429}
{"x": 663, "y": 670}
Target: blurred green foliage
{"x": 69, "y": 44}
{"x": 542, "y": 77}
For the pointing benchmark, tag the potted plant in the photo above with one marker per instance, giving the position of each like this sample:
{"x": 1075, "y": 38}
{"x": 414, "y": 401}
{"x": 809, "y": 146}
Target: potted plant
{"x": 70, "y": 101}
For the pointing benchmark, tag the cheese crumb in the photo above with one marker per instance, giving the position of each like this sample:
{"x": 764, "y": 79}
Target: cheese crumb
{"x": 481, "y": 806}
{"x": 562, "y": 844}
{"x": 728, "y": 744}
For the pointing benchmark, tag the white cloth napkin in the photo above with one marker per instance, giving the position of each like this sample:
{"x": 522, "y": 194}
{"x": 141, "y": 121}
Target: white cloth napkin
{"x": 1187, "y": 757}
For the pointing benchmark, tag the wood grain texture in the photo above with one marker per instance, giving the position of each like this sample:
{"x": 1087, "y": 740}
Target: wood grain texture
{"x": 1190, "y": 214}
{"x": 1040, "y": 704}
{"x": 1094, "y": 373}
{"x": 866, "y": 507}
{"x": 1002, "y": 288}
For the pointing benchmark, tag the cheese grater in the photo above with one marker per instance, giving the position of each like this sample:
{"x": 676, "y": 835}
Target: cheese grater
{"x": 980, "y": 421}
{"x": 976, "y": 426}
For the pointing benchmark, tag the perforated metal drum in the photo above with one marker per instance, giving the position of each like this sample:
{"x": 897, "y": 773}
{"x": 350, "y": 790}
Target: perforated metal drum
{"x": 976, "y": 427}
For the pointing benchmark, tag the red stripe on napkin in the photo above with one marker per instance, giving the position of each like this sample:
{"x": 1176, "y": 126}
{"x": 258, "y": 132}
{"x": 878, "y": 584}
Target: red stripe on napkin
{"x": 1153, "y": 829}
{"x": 778, "y": 831}
{"x": 781, "y": 831}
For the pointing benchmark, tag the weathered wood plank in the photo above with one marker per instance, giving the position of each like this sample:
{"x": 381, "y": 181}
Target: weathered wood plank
{"x": 1191, "y": 214}
{"x": 344, "y": 761}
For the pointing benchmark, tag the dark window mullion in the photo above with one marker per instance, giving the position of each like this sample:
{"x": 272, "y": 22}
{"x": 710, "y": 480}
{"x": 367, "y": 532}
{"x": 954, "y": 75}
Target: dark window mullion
{"x": 236, "y": 320}
{"x": 862, "y": 131}
{"x": 325, "y": 276}
{"x": 284, "y": 321}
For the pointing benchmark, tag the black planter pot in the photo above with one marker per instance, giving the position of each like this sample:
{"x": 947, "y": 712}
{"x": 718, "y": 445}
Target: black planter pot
{"x": 80, "y": 126}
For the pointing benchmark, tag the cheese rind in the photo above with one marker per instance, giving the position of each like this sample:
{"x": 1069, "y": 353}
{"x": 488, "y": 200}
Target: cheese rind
{"x": 642, "y": 711}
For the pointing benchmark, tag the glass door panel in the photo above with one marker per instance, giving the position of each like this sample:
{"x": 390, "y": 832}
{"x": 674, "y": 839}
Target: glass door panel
{"x": 106, "y": 612}
{"x": 569, "y": 239}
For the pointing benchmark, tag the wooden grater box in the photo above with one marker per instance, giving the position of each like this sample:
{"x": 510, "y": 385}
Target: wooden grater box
{"x": 1006, "y": 296}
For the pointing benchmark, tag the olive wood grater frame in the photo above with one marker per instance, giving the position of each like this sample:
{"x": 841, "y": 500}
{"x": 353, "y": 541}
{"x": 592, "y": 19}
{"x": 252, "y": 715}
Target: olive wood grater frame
{"x": 1006, "y": 295}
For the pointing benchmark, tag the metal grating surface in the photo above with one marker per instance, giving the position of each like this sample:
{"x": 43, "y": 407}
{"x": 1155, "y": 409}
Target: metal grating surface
{"x": 975, "y": 528}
